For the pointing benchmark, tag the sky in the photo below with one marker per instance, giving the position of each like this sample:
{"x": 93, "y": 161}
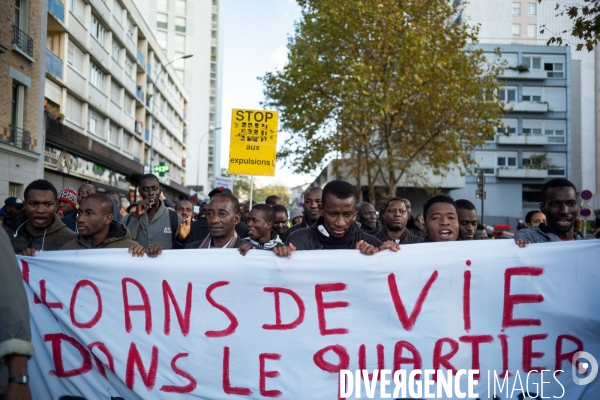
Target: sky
{"x": 254, "y": 43}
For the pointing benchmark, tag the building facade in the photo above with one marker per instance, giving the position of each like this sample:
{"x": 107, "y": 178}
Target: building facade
{"x": 192, "y": 27}
{"x": 101, "y": 93}
{"x": 529, "y": 23}
{"x": 22, "y": 32}
{"x": 534, "y": 142}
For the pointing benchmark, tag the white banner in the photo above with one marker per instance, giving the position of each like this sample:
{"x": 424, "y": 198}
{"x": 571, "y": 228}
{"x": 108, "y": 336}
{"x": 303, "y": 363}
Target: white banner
{"x": 212, "y": 324}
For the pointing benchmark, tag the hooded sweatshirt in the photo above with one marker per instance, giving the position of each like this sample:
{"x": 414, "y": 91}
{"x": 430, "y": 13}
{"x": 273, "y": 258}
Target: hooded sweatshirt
{"x": 275, "y": 241}
{"x": 52, "y": 238}
{"x": 118, "y": 237}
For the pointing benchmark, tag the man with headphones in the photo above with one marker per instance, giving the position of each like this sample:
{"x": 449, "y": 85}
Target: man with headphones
{"x": 38, "y": 228}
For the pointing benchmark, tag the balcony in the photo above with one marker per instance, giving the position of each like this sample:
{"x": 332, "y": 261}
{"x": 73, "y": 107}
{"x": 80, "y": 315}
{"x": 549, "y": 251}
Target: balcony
{"x": 523, "y": 173}
{"x": 140, "y": 58}
{"x": 526, "y": 106}
{"x": 54, "y": 64}
{"x": 22, "y": 41}
{"x": 57, "y": 8}
{"x": 148, "y": 69}
{"x": 19, "y": 137}
{"x": 537, "y": 75}
{"x": 534, "y": 140}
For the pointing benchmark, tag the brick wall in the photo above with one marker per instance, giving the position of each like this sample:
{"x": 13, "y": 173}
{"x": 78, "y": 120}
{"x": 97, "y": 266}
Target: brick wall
{"x": 31, "y": 69}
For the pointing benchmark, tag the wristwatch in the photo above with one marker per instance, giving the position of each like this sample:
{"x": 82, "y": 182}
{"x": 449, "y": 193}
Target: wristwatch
{"x": 21, "y": 379}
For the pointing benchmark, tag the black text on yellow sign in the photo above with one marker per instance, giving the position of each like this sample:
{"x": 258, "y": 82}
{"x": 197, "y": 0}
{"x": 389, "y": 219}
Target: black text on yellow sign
{"x": 253, "y": 146}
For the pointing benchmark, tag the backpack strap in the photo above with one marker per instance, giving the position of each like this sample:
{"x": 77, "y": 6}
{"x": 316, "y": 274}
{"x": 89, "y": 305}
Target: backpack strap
{"x": 174, "y": 221}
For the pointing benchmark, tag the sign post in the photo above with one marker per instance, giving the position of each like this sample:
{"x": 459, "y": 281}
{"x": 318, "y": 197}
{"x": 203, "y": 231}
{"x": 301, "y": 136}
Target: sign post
{"x": 253, "y": 144}
{"x": 480, "y": 194}
{"x": 585, "y": 212}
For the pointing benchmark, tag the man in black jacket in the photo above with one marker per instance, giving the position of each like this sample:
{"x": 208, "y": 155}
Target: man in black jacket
{"x": 367, "y": 216}
{"x": 336, "y": 229}
{"x": 411, "y": 224}
{"x": 395, "y": 216}
{"x": 312, "y": 207}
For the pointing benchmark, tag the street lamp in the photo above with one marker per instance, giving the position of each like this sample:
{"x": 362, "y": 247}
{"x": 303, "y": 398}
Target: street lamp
{"x": 198, "y": 155}
{"x": 154, "y": 102}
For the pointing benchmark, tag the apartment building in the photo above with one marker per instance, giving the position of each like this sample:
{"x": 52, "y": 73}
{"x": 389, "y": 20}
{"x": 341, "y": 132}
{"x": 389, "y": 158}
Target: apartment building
{"x": 533, "y": 143}
{"x": 22, "y": 30}
{"x": 505, "y": 22}
{"x": 101, "y": 93}
{"x": 193, "y": 27}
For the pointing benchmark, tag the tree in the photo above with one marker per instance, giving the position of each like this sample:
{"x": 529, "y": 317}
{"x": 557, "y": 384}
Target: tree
{"x": 586, "y": 23}
{"x": 241, "y": 189}
{"x": 384, "y": 86}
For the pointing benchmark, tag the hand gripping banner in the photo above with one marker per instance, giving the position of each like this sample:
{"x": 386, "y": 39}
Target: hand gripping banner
{"x": 211, "y": 324}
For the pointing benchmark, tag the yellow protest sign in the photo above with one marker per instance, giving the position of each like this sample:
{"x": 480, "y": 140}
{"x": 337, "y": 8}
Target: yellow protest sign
{"x": 253, "y": 146}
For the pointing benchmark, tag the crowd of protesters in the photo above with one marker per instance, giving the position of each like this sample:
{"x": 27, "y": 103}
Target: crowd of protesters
{"x": 333, "y": 219}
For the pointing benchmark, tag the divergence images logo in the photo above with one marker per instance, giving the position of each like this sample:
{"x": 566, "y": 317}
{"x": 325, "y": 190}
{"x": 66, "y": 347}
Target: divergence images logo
{"x": 584, "y": 367}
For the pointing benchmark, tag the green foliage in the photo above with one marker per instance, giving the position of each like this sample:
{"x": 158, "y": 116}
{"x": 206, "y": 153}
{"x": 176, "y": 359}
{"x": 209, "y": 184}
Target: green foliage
{"x": 241, "y": 189}
{"x": 383, "y": 86}
{"x": 586, "y": 23}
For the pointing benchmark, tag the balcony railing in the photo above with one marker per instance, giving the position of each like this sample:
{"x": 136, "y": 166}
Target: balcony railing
{"x": 148, "y": 69}
{"x": 57, "y": 8}
{"x": 22, "y": 41}
{"x": 140, "y": 58}
{"x": 19, "y": 137}
{"x": 54, "y": 64}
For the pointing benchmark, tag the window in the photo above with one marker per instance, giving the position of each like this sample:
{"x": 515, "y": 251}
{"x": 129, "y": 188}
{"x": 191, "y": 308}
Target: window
{"x": 129, "y": 30}
{"x": 162, "y": 5}
{"x": 22, "y": 15}
{"x": 180, "y": 42}
{"x": 485, "y": 161}
{"x": 161, "y": 21}
{"x": 516, "y": 29}
{"x": 73, "y": 110}
{"x": 179, "y": 24}
{"x": 127, "y": 143}
{"x": 128, "y": 104}
{"x": 98, "y": 31}
{"x": 113, "y": 135}
{"x": 118, "y": 11}
{"x": 509, "y": 127}
{"x": 508, "y": 94}
{"x": 504, "y": 161}
{"x": 161, "y": 38}
{"x": 555, "y": 70}
{"x": 531, "y": 31}
{"x": 96, "y": 77}
{"x": 115, "y": 93}
{"x": 532, "y": 62}
{"x": 516, "y": 8}
{"x": 180, "y": 7}
{"x": 116, "y": 52}
{"x": 537, "y": 98}
{"x": 128, "y": 67}
{"x": 532, "y": 8}
{"x": 180, "y": 62}
{"x": 75, "y": 58}
{"x": 78, "y": 10}
{"x": 93, "y": 122}
{"x": 16, "y": 116}
{"x": 555, "y": 131}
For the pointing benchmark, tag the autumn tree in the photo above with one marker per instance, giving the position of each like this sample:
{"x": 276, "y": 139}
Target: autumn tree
{"x": 585, "y": 15}
{"x": 383, "y": 87}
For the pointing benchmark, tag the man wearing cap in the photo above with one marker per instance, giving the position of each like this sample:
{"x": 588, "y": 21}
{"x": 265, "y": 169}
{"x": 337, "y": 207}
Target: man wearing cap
{"x": 12, "y": 206}
{"x": 199, "y": 229}
{"x": 67, "y": 207}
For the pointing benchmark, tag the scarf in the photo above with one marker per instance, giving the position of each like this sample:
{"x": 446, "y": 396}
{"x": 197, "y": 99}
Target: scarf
{"x": 373, "y": 231}
{"x": 272, "y": 243}
{"x": 230, "y": 245}
{"x": 348, "y": 241}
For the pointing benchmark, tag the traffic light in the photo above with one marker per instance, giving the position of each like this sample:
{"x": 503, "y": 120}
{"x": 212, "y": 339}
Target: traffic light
{"x": 161, "y": 169}
{"x": 480, "y": 179}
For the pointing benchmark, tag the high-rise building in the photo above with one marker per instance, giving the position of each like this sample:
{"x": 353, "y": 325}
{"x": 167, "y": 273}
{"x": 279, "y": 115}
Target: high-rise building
{"x": 528, "y": 22}
{"x": 192, "y": 27}
{"x": 22, "y": 32}
{"x": 102, "y": 63}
